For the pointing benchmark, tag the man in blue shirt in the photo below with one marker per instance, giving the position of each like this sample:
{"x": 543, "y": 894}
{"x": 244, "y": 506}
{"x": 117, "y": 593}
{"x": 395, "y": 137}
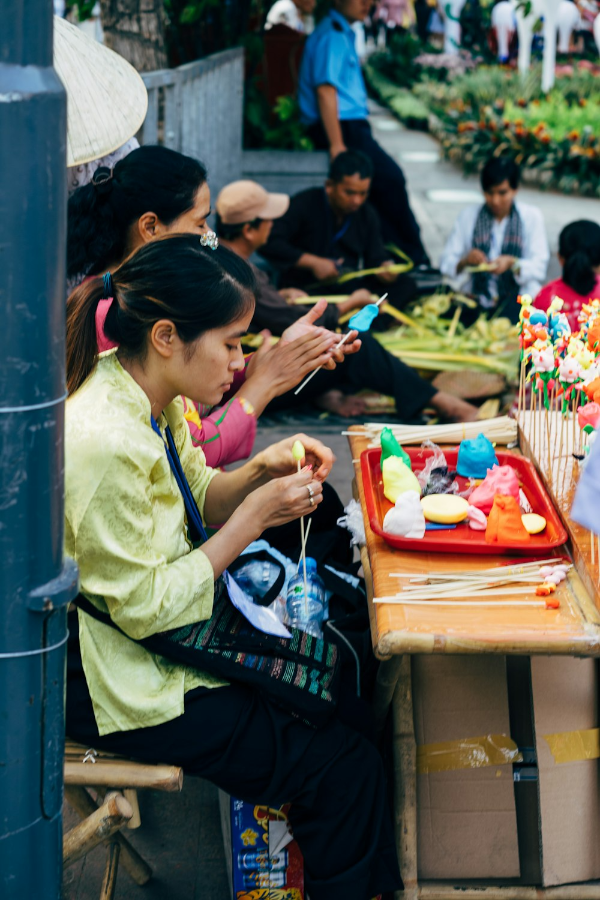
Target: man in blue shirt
{"x": 333, "y": 103}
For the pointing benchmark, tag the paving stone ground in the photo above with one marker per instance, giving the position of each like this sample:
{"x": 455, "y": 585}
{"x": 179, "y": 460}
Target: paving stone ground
{"x": 181, "y": 836}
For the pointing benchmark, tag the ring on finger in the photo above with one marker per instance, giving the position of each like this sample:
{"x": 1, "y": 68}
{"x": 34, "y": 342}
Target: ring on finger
{"x": 311, "y": 493}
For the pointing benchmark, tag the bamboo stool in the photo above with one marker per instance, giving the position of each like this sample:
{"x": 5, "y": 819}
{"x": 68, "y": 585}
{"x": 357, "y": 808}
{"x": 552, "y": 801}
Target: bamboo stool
{"x": 116, "y": 780}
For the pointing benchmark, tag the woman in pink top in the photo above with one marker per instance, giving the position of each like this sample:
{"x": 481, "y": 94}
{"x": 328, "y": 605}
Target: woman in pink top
{"x": 579, "y": 256}
{"x": 154, "y": 192}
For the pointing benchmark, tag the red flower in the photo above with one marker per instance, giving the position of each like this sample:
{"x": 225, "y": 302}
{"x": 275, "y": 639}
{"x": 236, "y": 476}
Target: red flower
{"x": 588, "y": 415}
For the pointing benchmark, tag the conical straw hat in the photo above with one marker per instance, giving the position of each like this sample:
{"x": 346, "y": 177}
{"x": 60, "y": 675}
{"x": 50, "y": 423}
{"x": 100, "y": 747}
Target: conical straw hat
{"x": 106, "y": 97}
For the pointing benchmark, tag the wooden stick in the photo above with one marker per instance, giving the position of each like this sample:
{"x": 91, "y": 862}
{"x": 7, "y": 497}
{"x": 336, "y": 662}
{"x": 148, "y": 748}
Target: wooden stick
{"x": 131, "y": 796}
{"x": 521, "y": 399}
{"x": 305, "y": 540}
{"x": 542, "y": 604}
{"x": 458, "y": 592}
{"x": 303, "y": 556}
{"x": 510, "y": 568}
{"x": 337, "y": 347}
{"x": 102, "y": 823}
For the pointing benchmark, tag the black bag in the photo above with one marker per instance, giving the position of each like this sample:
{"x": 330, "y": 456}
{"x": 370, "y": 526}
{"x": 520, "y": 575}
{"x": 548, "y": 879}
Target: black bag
{"x": 300, "y": 673}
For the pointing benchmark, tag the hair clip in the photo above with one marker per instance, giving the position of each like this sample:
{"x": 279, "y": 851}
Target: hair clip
{"x": 108, "y": 290}
{"x": 102, "y": 179}
{"x": 209, "y": 239}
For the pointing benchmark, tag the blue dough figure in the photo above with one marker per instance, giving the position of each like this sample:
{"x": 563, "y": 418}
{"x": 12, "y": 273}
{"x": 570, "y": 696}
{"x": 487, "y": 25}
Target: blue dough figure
{"x": 475, "y": 457}
{"x": 361, "y": 321}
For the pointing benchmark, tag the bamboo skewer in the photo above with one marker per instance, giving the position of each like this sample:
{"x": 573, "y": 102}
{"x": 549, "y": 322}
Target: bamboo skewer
{"x": 502, "y": 430}
{"x": 511, "y": 568}
{"x": 541, "y": 604}
{"x": 299, "y": 453}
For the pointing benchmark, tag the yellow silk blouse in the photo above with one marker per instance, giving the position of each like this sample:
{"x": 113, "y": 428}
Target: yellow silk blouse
{"x": 125, "y": 527}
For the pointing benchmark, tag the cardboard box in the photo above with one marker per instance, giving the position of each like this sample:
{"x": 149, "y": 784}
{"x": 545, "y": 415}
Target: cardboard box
{"x": 264, "y": 860}
{"x": 467, "y": 827}
{"x": 554, "y": 709}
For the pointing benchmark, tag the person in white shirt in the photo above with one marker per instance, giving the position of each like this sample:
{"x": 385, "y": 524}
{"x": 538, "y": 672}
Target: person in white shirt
{"x": 295, "y": 14}
{"x": 507, "y": 236}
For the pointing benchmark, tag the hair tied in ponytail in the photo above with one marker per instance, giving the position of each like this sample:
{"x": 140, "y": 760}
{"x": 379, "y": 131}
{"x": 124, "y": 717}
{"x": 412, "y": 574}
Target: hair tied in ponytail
{"x": 108, "y": 290}
{"x": 103, "y": 179}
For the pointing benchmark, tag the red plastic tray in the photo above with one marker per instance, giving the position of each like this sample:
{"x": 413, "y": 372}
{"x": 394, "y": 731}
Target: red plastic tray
{"x": 463, "y": 539}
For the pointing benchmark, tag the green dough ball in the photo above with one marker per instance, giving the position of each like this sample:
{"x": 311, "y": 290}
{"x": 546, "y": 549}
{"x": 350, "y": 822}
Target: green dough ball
{"x": 391, "y": 447}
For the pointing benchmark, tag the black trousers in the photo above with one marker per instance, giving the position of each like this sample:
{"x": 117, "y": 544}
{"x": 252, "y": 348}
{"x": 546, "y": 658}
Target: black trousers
{"x": 374, "y": 368}
{"x": 388, "y": 188}
{"x": 253, "y": 750}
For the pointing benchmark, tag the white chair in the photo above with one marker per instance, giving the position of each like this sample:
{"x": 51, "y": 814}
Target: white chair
{"x": 503, "y": 22}
{"x": 567, "y": 20}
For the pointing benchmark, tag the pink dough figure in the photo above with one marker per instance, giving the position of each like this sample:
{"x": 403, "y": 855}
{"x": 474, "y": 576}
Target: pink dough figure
{"x": 499, "y": 480}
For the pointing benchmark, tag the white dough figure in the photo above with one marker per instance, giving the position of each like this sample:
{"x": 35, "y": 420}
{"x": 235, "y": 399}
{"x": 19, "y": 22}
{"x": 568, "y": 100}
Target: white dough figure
{"x": 406, "y": 518}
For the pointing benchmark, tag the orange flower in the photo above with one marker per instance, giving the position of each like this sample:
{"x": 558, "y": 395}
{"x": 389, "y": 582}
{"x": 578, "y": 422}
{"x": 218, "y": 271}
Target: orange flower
{"x": 573, "y": 135}
{"x": 520, "y": 132}
{"x": 545, "y": 139}
{"x": 465, "y": 126}
{"x": 522, "y": 103}
{"x": 541, "y": 126}
{"x": 519, "y": 123}
{"x": 582, "y": 101}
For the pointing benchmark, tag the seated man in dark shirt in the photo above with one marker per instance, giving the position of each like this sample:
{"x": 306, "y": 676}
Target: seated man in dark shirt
{"x": 245, "y": 214}
{"x": 332, "y": 229}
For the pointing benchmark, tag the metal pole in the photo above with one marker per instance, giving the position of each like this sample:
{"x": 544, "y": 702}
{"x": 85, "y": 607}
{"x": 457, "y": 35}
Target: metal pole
{"x": 36, "y": 582}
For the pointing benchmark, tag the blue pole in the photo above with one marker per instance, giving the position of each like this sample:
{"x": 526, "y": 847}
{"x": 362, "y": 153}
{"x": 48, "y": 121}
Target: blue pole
{"x": 36, "y": 582}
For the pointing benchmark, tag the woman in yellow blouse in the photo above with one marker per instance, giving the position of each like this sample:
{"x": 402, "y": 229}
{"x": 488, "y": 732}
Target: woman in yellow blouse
{"x": 178, "y": 314}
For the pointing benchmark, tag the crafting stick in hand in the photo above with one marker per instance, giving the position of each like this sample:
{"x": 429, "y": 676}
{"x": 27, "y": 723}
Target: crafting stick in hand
{"x": 343, "y": 341}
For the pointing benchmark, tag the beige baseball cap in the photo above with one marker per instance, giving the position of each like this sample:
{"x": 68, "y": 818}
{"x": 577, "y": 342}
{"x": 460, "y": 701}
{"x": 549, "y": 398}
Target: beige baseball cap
{"x": 244, "y": 201}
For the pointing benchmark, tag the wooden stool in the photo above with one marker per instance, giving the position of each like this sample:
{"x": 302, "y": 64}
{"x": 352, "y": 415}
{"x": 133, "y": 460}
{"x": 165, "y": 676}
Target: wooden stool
{"x": 115, "y": 779}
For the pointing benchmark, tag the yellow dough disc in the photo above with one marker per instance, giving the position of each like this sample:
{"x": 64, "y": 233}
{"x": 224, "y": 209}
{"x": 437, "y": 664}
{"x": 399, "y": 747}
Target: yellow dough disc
{"x": 533, "y": 523}
{"x": 445, "y": 509}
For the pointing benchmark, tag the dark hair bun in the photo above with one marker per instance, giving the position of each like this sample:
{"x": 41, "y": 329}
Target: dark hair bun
{"x": 102, "y": 179}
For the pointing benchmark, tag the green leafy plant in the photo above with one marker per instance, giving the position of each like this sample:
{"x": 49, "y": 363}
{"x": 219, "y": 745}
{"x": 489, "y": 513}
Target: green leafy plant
{"x": 493, "y": 111}
{"x": 277, "y": 129}
{"x": 402, "y": 102}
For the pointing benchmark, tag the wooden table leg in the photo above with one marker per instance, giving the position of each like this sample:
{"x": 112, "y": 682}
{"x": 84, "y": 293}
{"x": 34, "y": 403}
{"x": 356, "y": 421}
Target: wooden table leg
{"x": 385, "y": 686}
{"x": 104, "y": 821}
{"x": 405, "y": 780}
{"x": 109, "y": 882}
{"x": 134, "y": 864}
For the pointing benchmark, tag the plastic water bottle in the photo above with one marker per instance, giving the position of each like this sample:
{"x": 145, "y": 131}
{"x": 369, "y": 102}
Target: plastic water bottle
{"x": 256, "y": 577}
{"x": 306, "y": 613}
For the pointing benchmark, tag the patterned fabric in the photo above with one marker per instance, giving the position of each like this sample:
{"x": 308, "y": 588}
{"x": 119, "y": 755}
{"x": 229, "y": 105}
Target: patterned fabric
{"x": 511, "y": 246}
{"x": 300, "y": 674}
{"x": 125, "y": 527}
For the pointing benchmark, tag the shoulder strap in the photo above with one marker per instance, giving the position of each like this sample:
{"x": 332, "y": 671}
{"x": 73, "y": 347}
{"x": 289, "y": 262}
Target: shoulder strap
{"x": 195, "y": 524}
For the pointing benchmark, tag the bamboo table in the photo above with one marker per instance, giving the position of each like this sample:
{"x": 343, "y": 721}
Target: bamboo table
{"x": 398, "y": 631}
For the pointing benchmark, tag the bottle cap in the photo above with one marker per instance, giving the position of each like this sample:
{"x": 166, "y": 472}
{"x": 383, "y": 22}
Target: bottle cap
{"x": 311, "y": 565}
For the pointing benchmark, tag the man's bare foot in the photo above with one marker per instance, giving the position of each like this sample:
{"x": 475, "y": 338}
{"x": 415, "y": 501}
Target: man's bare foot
{"x": 346, "y": 405}
{"x": 453, "y": 409}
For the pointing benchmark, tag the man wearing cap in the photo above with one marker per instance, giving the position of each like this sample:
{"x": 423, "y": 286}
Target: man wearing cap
{"x": 333, "y": 104}
{"x": 245, "y": 214}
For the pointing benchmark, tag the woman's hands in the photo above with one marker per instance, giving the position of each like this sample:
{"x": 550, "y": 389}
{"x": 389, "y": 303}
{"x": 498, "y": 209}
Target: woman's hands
{"x": 283, "y": 500}
{"x": 278, "y": 461}
{"x": 306, "y": 325}
{"x": 275, "y": 369}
